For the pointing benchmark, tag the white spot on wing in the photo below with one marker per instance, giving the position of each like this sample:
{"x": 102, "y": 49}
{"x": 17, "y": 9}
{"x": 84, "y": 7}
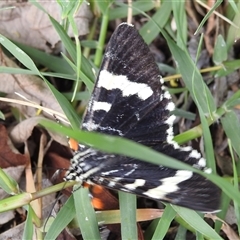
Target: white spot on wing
{"x": 186, "y": 149}
{"x": 167, "y": 95}
{"x": 208, "y": 170}
{"x": 109, "y": 172}
{"x": 170, "y": 133}
{"x": 137, "y": 116}
{"x": 90, "y": 126}
{"x": 110, "y": 81}
{"x": 202, "y": 162}
{"x": 170, "y": 120}
{"x": 169, "y": 184}
{"x": 137, "y": 183}
{"x": 101, "y": 106}
{"x": 170, "y": 106}
{"x": 194, "y": 154}
{"x": 111, "y": 184}
{"x": 125, "y": 23}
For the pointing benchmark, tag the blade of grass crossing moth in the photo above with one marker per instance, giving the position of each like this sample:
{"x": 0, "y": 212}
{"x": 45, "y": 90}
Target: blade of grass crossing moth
{"x": 196, "y": 221}
{"x": 61, "y": 221}
{"x": 128, "y": 215}
{"x": 126, "y": 147}
{"x": 86, "y": 216}
{"x": 120, "y": 146}
{"x": 164, "y": 223}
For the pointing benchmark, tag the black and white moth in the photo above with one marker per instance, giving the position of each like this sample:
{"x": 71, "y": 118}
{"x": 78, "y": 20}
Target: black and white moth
{"x": 129, "y": 100}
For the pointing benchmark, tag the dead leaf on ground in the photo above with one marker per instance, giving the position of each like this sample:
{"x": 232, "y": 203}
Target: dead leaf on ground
{"x": 29, "y": 25}
{"x": 231, "y": 234}
{"x": 9, "y": 159}
{"x": 22, "y": 131}
{"x": 35, "y": 90}
{"x": 53, "y": 163}
{"x": 13, "y": 164}
{"x": 31, "y": 87}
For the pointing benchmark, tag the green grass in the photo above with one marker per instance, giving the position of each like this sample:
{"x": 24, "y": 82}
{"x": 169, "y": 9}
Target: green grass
{"x": 76, "y": 67}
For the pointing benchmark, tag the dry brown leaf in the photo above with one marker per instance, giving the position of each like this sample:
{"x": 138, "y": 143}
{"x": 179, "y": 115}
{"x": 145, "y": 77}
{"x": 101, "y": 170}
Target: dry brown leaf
{"x": 8, "y": 157}
{"x": 231, "y": 234}
{"x": 31, "y": 87}
{"x": 22, "y": 131}
{"x": 54, "y": 162}
{"x": 31, "y": 26}
{"x": 11, "y": 161}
